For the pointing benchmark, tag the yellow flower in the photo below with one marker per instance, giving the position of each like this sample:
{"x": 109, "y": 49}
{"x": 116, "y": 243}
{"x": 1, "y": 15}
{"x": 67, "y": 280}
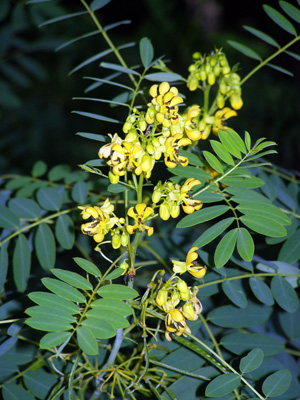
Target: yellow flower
{"x": 189, "y": 205}
{"x": 101, "y": 222}
{"x": 175, "y": 323}
{"x": 172, "y": 157}
{"x": 140, "y": 216}
{"x": 124, "y": 157}
{"x": 106, "y": 150}
{"x": 190, "y": 265}
{"x": 190, "y": 127}
{"x": 220, "y": 117}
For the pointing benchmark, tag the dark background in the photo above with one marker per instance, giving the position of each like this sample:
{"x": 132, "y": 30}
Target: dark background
{"x": 36, "y": 92}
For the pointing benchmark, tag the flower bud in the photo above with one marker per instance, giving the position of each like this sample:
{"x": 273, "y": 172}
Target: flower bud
{"x": 164, "y": 211}
{"x": 181, "y": 285}
{"x": 175, "y": 211}
{"x": 162, "y": 297}
{"x": 156, "y": 196}
{"x": 211, "y": 79}
{"x": 124, "y": 265}
{"x": 188, "y": 311}
{"x": 220, "y": 100}
{"x": 192, "y": 84}
{"x": 113, "y": 178}
{"x": 225, "y": 70}
{"x": 131, "y": 136}
{"x": 217, "y": 70}
{"x": 142, "y": 125}
{"x": 116, "y": 241}
{"x": 185, "y": 295}
{"x": 124, "y": 239}
{"x": 236, "y": 101}
{"x": 126, "y": 127}
{"x": 202, "y": 75}
{"x": 196, "y": 55}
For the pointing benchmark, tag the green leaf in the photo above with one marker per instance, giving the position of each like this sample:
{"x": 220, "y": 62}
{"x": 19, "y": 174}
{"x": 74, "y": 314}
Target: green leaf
{"x": 146, "y": 52}
{"x": 251, "y": 361}
{"x": 290, "y": 323}
{"x": 8, "y": 219}
{"x": 87, "y": 266}
{"x": 222, "y": 385}
{"x": 263, "y": 36}
{"x": 117, "y": 292}
{"x": 52, "y": 300}
{"x": 225, "y": 248}
{"x": 263, "y": 225}
{"x": 229, "y": 144}
{"x": 221, "y": 152}
{"x": 25, "y": 208}
{"x": 114, "y": 274}
{"x": 3, "y": 266}
{"x": 250, "y": 182}
{"x": 202, "y": 215}
{"x": 52, "y": 313}
{"x": 244, "y": 50}
{"x": 239, "y": 343}
{"x": 116, "y": 188}
{"x": 247, "y": 196}
{"x": 12, "y": 391}
{"x": 53, "y": 339}
{"x": 45, "y": 324}
{"x": 58, "y": 172}
{"x": 91, "y": 60}
{"x": 64, "y": 290}
{"x": 62, "y": 18}
{"x": 119, "y": 68}
{"x": 261, "y": 291}
{"x": 92, "y": 136}
{"x": 190, "y": 172}
{"x": 290, "y": 251}
{"x": 264, "y": 210}
{"x": 290, "y": 10}
{"x": 117, "y": 306}
{"x": 213, "y": 161}
{"x": 18, "y": 183}
{"x": 97, "y": 4}
{"x": 277, "y": 383}
{"x": 116, "y": 320}
{"x": 194, "y": 159}
{"x": 234, "y": 317}
{"x": 280, "y": 69}
{"x": 213, "y": 232}
{"x": 236, "y": 140}
{"x": 49, "y": 199}
{"x": 248, "y": 140}
{"x": 39, "y": 382}
{"x": 245, "y": 244}
{"x": 79, "y": 192}
{"x": 45, "y": 247}
{"x": 21, "y": 263}
{"x": 235, "y": 294}
{"x": 87, "y": 341}
{"x": 99, "y": 328}
{"x": 64, "y": 231}
{"x": 96, "y": 116}
{"x": 284, "y": 294}
{"x": 163, "y": 77}
{"x": 279, "y": 19}
{"x": 72, "y": 278}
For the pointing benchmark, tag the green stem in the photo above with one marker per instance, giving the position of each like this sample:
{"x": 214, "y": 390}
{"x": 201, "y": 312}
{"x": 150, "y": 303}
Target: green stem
{"x": 71, "y": 377}
{"x": 267, "y": 60}
{"x": 211, "y": 335}
{"x": 206, "y": 99}
{"x": 108, "y": 41}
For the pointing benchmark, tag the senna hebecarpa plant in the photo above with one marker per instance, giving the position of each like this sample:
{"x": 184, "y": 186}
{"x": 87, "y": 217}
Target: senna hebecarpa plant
{"x": 186, "y": 241}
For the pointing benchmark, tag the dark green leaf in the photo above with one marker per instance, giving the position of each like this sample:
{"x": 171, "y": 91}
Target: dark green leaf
{"x": 234, "y": 317}
{"x": 49, "y": 199}
{"x": 116, "y": 188}
{"x": 91, "y": 60}
{"x": 251, "y": 361}
{"x": 290, "y": 251}
{"x": 97, "y": 4}
{"x": 213, "y": 232}
{"x": 12, "y": 391}
{"x": 87, "y": 266}
{"x": 194, "y": 158}
{"x": 261, "y": 291}
{"x": 250, "y": 182}
{"x": 277, "y": 383}
{"x": 190, "y": 172}
{"x": 222, "y": 385}
{"x": 114, "y": 274}
{"x": 146, "y": 52}
{"x": 64, "y": 290}
{"x": 21, "y": 263}
{"x": 45, "y": 247}
{"x": 45, "y": 324}
{"x": 279, "y": 69}
{"x": 3, "y": 266}
{"x": 58, "y": 172}
{"x": 39, "y": 382}
{"x": 92, "y": 136}
{"x": 117, "y": 292}
{"x": 284, "y": 294}
{"x": 87, "y": 341}
{"x": 96, "y": 116}
{"x": 235, "y": 294}
{"x": 229, "y": 144}
{"x": 64, "y": 231}
{"x": 290, "y": 323}
{"x": 119, "y": 68}
{"x": 221, "y": 152}
{"x": 263, "y": 36}
{"x": 52, "y": 300}
{"x": 290, "y": 10}
{"x": 279, "y": 19}
{"x": 264, "y": 210}
{"x": 39, "y": 169}
{"x": 62, "y": 18}
{"x": 18, "y": 183}
{"x": 51, "y": 313}
{"x": 117, "y": 306}
{"x": 203, "y": 215}
{"x": 225, "y": 248}
{"x": 54, "y": 339}
{"x": 163, "y": 77}
{"x": 72, "y": 278}
{"x": 263, "y": 225}
{"x": 116, "y": 320}
{"x": 238, "y": 343}
{"x": 99, "y": 328}
{"x": 213, "y": 161}
{"x": 245, "y": 244}
{"x": 25, "y": 208}
{"x": 244, "y": 50}
{"x": 79, "y": 192}
{"x": 8, "y": 219}
{"x": 236, "y": 139}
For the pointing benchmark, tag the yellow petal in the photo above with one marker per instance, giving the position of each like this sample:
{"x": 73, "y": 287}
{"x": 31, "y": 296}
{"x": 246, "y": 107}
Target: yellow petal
{"x": 131, "y": 213}
{"x": 169, "y": 163}
{"x": 193, "y": 112}
{"x": 159, "y": 117}
{"x": 140, "y": 208}
{"x": 98, "y": 237}
{"x": 153, "y": 90}
{"x": 197, "y": 272}
{"x": 148, "y": 212}
{"x": 168, "y": 96}
{"x": 191, "y": 256}
{"x": 130, "y": 229}
{"x": 184, "y": 142}
{"x": 164, "y": 87}
{"x": 150, "y": 231}
{"x": 188, "y": 209}
{"x": 176, "y": 315}
{"x": 176, "y": 100}
{"x": 174, "y": 90}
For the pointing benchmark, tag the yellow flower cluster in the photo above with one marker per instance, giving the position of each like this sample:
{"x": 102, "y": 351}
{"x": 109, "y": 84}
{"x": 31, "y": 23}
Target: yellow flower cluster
{"x": 190, "y": 265}
{"x": 172, "y": 196}
{"x": 167, "y": 299}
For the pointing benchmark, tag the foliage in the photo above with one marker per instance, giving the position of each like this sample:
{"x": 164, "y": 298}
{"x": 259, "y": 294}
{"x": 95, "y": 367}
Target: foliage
{"x": 101, "y": 328}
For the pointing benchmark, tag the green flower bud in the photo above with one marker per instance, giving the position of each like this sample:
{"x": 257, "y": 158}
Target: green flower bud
{"x": 162, "y": 297}
{"x": 142, "y": 125}
{"x": 156, "y": 196}
{"x": 225, "y": 70}
{"x": 185, "y": 295}
{"x": 188, "y": 311}
{"x": 220, "y": 100}
{"x": 197, "y": 55}
{"x": 175, "y": 211}
{"x": 126, "y": 127}
{"x": 192, "y": 84}
{"x": 164, "y": 211}
{"x": 181, "y": 285}
{"x": 116, "y": 241}
{"x": 202, "y": 75}
{"x": 124, "y": 265}
{"x": 113, "y": 178}
{"x": 131, "y": 136}
{"x": 217, "y": 70}
{"x": 211, "y": 79}
{"x": 124, "y": 239}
